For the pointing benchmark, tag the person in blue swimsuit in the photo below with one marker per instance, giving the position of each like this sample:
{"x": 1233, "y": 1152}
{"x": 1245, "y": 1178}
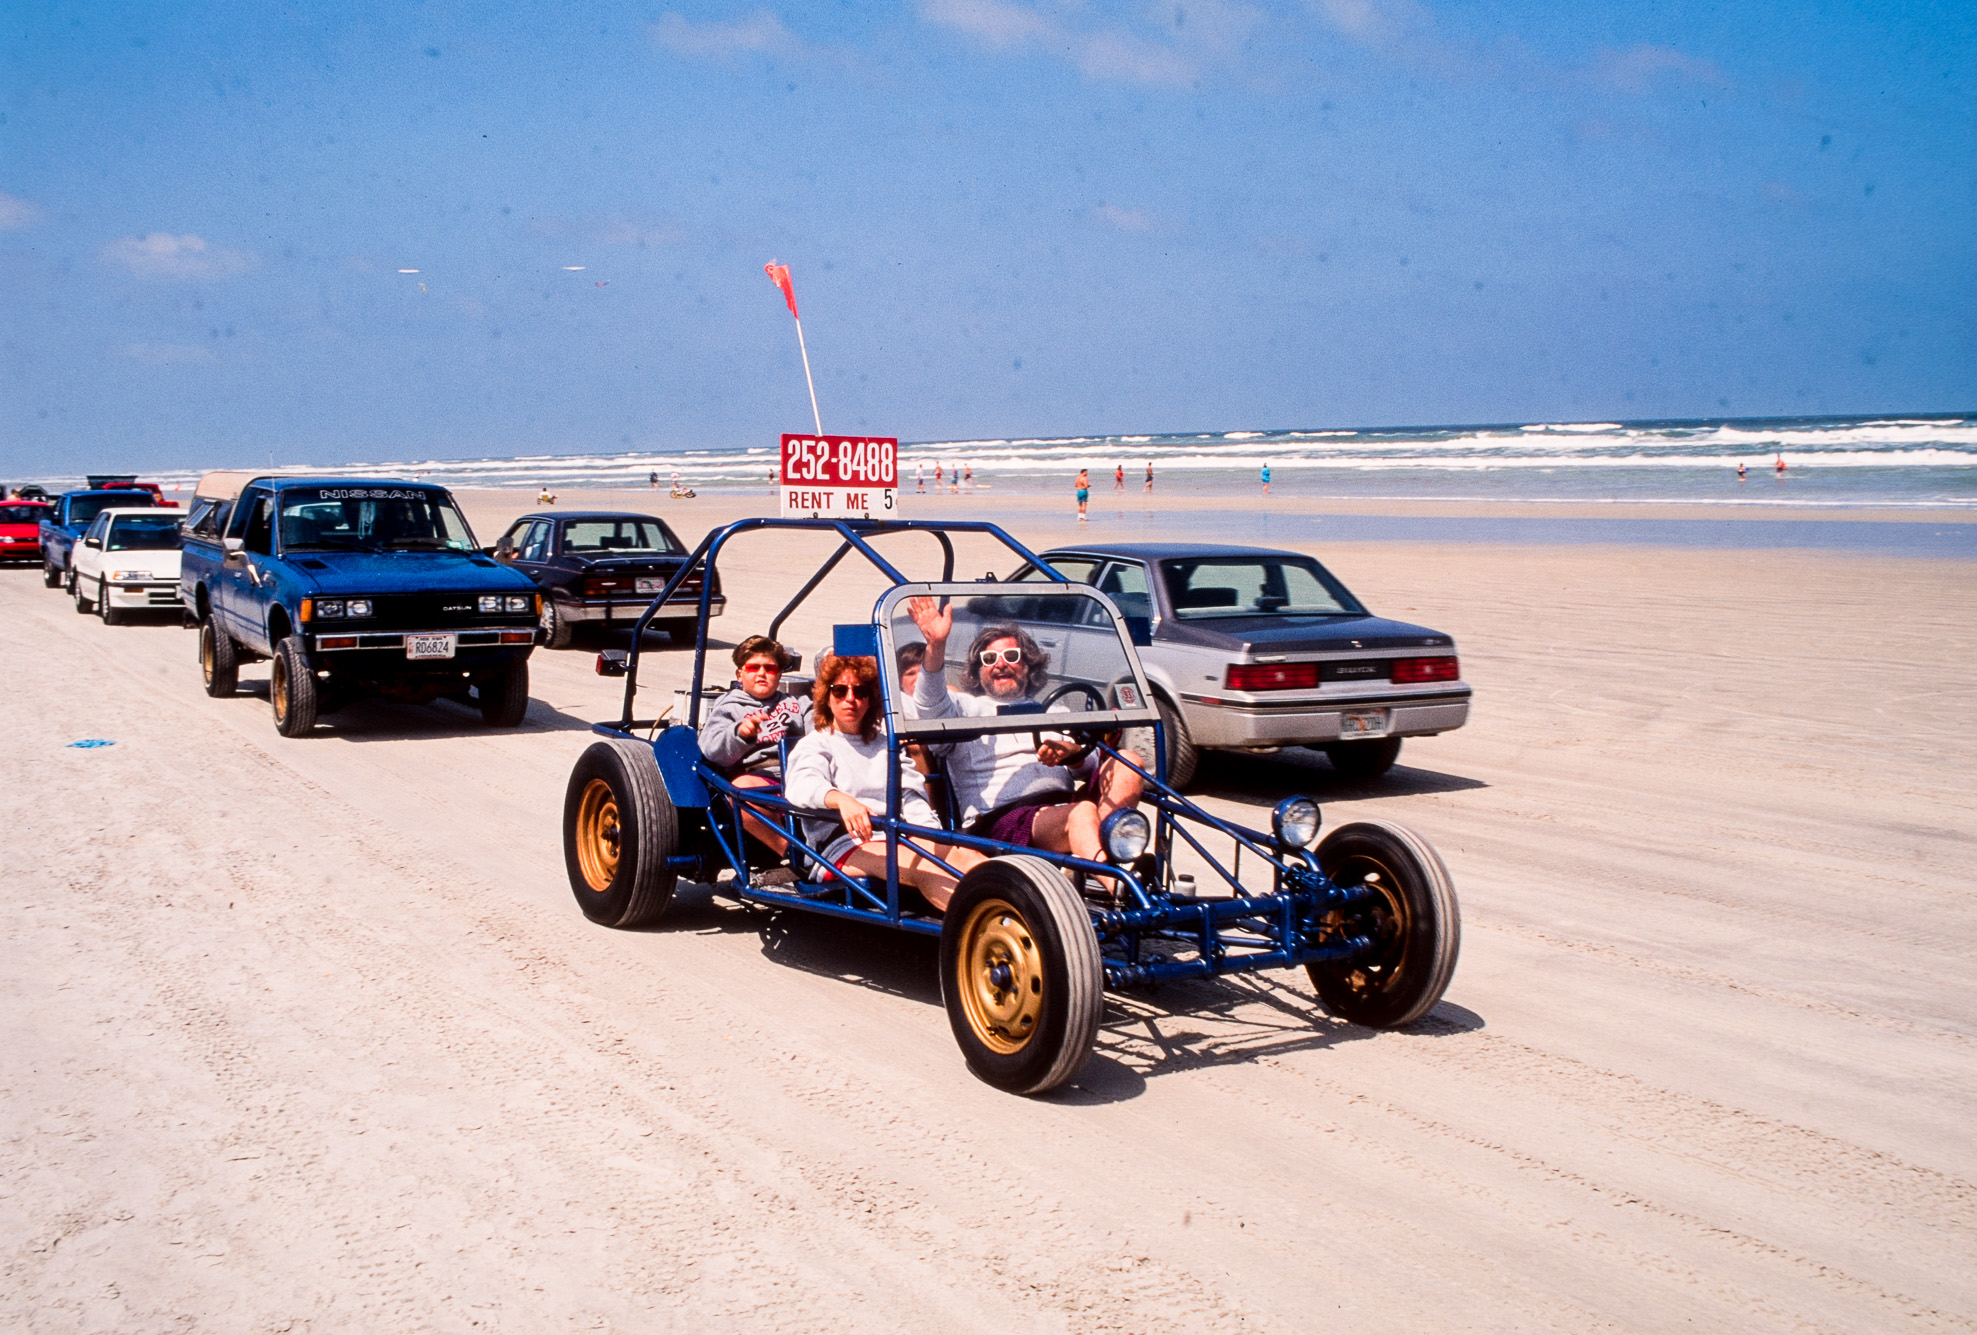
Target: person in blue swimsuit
{"x": 1084, "y": 492}
{"x": 1266, "y": 479}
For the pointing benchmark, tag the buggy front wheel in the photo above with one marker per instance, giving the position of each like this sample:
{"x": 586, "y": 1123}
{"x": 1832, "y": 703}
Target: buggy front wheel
{"x": 1408, "y": 917}
{"x": 620, "y": 830}
{"x": 1020, "y": 974}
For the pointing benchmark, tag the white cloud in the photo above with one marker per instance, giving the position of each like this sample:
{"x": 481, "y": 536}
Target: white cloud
{"x": 1110, "y": 53}
{"x": 1126, "y": 220}
{"x": 16, "y": 212}
{"x": 761, "y": 33}
{"x": 623, "y": 233}
{"x": 169, "y": 354}
{"x": 1636, "y": 69}
{"x": 162, "y": 255}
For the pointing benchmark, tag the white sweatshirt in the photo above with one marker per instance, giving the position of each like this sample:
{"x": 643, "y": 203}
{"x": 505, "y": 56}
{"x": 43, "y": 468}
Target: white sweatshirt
{"x": 993, "y": 770}
{"x": 826, "y": 760}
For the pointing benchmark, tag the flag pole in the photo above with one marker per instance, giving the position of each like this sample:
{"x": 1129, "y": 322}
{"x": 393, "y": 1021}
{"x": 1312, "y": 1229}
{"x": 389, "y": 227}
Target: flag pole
{"x": 814, "y": 415}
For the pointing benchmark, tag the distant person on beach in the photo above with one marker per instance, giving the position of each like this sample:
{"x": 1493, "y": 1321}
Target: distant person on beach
{"x": 1781, "y": 465}
{"x": 1119, "y": 478}
{"x": 1266, "y": 478}
{"x": 919, "y": 477}
{"x": 545, "y": 497}
{"x": 1084, "y": 493}
{"x": 653, "y": 478}
{"x": 968, "y": 475}
{"x": 1149, "y": 475}
{"x": 939, "y": 474}
{"x": 1743, "y": 470}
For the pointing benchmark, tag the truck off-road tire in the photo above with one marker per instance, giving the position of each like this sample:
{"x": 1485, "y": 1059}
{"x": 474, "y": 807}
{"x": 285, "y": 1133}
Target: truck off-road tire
{"x": 1182, "y": 756}
{"x": 1020, "y": 974}
{"x": 503, "y": 696}
{"x": 219, "y": 662}
{"x": 1364, "y": 760}
{"x": 292, "y": 690}
{"x": 1412, "y": 921}
{"x": 51, "y": 578}
{"x": 557, "y": 631}
{"x": 620, "y": 832}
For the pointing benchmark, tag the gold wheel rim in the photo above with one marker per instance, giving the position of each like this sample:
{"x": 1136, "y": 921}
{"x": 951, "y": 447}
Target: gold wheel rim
{"x": 1002, "y": 988}
{"x": 599, "y": 838}
{"x": 206, "y": 655}
{"x": 278, "y": 687}
{"x": 1389, "y": 917}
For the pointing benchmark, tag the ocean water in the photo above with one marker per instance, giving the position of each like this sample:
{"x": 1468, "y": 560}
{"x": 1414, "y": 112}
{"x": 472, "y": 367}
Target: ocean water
{"x": 1856, "y": 462}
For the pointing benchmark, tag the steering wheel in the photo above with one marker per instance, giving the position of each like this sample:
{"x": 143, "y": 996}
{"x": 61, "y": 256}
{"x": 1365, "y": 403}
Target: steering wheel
{"x": 1098, "y": 702}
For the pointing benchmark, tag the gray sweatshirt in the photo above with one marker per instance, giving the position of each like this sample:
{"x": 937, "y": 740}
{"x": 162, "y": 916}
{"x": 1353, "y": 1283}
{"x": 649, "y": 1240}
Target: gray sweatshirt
{"x": 999, "y": 768}
{"x": 720, "y": 737}
{"x": 844, "y": 761}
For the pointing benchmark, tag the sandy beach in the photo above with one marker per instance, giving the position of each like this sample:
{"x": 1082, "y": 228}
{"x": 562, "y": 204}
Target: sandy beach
{"x": 309, "y": 1036}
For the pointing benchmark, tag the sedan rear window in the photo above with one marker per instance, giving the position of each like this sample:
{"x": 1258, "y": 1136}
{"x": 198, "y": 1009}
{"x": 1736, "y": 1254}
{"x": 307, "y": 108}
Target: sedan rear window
{"x": 619, "y": 535}
{"x": 1247, "y": 586}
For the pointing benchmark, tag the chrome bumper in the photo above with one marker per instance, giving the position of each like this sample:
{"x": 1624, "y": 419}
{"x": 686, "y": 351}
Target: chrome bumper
{"x": 332, "y": 642}
{"x": 603, "y": 610}
{"x": 1308, "y": 722}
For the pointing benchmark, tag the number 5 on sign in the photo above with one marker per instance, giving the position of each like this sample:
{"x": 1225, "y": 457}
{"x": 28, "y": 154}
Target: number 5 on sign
{"x": 839, "y": 477}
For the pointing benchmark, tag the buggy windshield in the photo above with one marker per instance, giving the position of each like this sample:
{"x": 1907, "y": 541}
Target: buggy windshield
{"x": 1249, "y": 586}
{"x": 372, "y": 519}
{"x": 1015, "y": 652}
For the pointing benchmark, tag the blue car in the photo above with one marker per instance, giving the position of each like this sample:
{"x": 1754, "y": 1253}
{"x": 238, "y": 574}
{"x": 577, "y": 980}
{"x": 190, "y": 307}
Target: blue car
{"x": 1030, "y": 939}
{"x": 352, "y": 587}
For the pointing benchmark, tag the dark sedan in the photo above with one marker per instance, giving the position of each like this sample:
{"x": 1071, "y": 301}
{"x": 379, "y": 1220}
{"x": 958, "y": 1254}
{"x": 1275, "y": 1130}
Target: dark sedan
{"x": 603, "y": 568}
{"x": 1255, "y": 650}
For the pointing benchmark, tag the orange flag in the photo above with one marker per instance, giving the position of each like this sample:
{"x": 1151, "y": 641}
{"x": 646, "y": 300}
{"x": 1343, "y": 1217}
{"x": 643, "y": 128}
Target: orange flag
{"x": 779, "y": 275}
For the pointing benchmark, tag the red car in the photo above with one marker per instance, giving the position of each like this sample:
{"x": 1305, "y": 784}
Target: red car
{"x": 20, "y": 529}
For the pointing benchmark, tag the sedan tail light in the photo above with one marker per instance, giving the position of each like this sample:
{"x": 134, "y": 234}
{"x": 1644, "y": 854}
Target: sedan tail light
{"x": 1411, "y": 670}
{"x": 596, "y": 586}
{"x": 1272, "y": 676}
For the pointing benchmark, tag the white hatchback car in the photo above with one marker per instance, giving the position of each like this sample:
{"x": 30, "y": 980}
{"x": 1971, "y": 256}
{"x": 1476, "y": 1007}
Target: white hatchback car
{"x": 127, "y": 560}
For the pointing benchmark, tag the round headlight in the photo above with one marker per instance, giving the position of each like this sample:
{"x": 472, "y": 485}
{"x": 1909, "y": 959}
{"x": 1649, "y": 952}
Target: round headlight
{"x": 1295, "y": 822}
{"x": 1125, "y": 835}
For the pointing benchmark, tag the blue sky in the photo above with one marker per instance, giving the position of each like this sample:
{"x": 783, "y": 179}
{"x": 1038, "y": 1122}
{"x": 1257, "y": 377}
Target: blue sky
{"x": 1004, "y": 218}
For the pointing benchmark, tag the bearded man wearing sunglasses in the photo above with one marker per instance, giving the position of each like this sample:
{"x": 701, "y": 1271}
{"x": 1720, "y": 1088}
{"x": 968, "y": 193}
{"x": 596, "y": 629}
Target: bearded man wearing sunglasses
{"x": 1010, "y": 789}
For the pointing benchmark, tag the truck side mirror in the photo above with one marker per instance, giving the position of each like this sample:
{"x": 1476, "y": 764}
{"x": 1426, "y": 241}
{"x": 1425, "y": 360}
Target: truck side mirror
{"x": 235, "y": 554}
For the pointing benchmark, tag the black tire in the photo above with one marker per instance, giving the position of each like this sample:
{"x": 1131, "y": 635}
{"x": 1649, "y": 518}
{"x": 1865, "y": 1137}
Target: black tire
{"x": 292, "y": 690}
{"x": 111, "y": 616}
{"x": 557, "y": 632}
{"x": 1413, "y": 921}
{"x": 219, "y": 662}
{"x": 68, "y": 579}
{"x": 1020, "y": 974}
{"x": 81, "y": 602}
{"x": 51, "y": 578}
{"x": 1364, "y": 760}
{"x": 679, "y": 632}
{"x": 1182, "y": 756}
{"x": 503, "y": 695}
{"x": 619, "y": 832}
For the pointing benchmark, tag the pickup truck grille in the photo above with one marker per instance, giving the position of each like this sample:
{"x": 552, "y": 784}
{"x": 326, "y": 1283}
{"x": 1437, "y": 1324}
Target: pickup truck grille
{"x": 426, "y": 611}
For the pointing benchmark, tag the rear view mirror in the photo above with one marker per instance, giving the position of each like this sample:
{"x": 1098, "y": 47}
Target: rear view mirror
{"x": 92, "y": 542}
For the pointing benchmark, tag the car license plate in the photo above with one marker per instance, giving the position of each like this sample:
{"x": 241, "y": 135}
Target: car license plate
{"x": 1363, "y": 723}
{"x": 651, "y": 585}
{"x": 430, "y": 646}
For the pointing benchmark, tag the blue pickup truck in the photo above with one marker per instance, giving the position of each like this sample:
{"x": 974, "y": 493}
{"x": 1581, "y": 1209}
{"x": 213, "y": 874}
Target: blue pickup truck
{"x": 353, "y": 587}
{"x": 74, "y": 512}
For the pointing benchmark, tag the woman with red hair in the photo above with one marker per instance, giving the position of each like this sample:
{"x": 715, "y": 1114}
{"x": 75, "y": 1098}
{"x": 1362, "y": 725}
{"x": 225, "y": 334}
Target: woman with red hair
{"x": 843, "y": 767}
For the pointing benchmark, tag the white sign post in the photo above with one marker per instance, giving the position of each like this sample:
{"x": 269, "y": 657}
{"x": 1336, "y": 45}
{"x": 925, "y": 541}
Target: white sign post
{"x": 839, "y": 477}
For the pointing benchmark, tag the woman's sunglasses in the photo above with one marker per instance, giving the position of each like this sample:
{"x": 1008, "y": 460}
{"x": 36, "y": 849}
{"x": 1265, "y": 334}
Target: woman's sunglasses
{"x": 990, "y": 657}
{"x": 845, "y": 690}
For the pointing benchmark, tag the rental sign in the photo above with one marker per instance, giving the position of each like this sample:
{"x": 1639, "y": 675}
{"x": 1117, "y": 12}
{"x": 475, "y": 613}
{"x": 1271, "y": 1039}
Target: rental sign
{"x": 839, "y": 477}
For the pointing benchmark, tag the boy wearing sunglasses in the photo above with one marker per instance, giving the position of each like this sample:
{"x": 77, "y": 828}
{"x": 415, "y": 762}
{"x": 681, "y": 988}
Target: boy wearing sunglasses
{"x": 741, "y": 731}
{"x": 1009, "y": 788}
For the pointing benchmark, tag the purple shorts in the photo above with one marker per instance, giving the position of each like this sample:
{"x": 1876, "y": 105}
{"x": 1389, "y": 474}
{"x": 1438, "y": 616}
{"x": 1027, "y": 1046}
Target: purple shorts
{"x": 1017, "y": 824}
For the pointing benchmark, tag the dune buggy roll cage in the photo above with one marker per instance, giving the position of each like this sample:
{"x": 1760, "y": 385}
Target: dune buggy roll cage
{"x": 1147, "y": 913}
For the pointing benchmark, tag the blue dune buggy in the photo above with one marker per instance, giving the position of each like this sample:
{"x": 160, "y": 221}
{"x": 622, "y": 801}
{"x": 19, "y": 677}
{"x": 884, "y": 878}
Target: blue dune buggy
{"x": 1030, "y": 939}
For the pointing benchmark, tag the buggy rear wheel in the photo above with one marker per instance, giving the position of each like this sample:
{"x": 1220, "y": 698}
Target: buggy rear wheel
{"x": 1410, "y": 917}
{"x": 620, "y": 830}
{"x": 1020, "y": 974}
